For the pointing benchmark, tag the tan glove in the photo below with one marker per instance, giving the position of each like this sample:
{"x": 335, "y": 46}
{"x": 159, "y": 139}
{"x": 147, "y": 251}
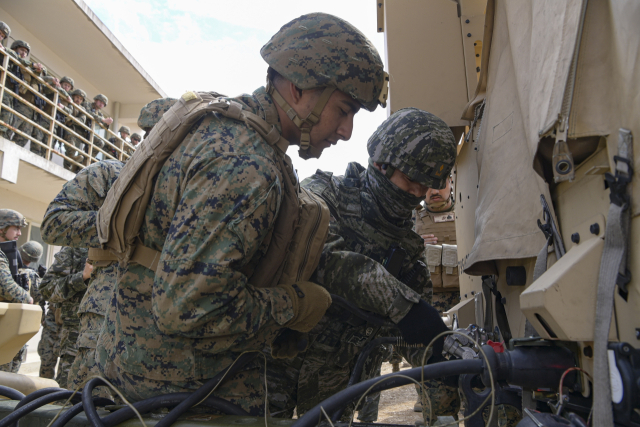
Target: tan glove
{"x": 58, "y": 316}
{"x": 310, "y": 302}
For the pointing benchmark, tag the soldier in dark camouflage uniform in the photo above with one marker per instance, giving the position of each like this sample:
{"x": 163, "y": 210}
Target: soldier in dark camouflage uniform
{"x": 371, "y": 217}
{"x": 10, "y": 224}
{"x": 65, "y": 283}
{"x": 212, "y": 214}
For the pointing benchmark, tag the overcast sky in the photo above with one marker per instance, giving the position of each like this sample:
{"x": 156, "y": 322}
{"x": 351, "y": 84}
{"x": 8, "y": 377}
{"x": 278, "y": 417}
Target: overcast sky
{"x": 215, "y": 45}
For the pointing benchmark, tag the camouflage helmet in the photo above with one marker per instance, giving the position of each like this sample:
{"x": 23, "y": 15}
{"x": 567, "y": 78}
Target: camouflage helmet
{"x": 5, "y": 29}
{"x": 319, "y": 50}
{"x": 80, "y": 92}
{"x": 416, "y": 143}
{"x": 31, "y": 251}
{"x": 20, "y": 43}
{"x": 125, "y": 129}
{"x": 136, "y": 137}
{"x": 67, "y": 79}
{"x": 9, "y": 217}
{"x": 101, "y": 97}
{"x": 153, "y": 111}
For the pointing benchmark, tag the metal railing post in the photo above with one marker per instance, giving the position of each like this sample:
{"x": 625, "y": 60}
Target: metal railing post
{"x": 5, "y": 65}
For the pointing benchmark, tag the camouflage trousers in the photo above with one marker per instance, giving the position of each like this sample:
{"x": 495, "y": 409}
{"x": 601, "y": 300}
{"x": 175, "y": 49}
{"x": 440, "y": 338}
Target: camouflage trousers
{"x": 49, "y": 345}
{"x": 14, "y": 365}
{"x": 68, "y": 350}
{"x": 6, "y": 116}
{"x": 245, "y": 389}
{"x": 27, "y": 128}
{"x": 38, "y": 134}
{"x": 84, "y": 366}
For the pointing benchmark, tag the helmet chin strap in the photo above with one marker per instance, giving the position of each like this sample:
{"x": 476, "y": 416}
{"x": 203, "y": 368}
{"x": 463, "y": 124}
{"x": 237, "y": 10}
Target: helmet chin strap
{"x": 305, "y": 124}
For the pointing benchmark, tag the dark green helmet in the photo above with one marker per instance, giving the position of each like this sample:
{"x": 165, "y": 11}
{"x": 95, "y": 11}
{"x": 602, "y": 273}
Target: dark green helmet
{"x": 125, "y": 129}
{"x": 80, "y": 92}
{"x": 153, "y": 111}
{"x": 5, "y": 29}
{"x": 416, "y": 143}
{"x": 9, "y": 217}
{"x": 101, "y": 97}
{"x": 136, "y": 137}
{"x": 67, "y": 79}
{"x": 31, "y": 251}
{"x": 20, "y": 43}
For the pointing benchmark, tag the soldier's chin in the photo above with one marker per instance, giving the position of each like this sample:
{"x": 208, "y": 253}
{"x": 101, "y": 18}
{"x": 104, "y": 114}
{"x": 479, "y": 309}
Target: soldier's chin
{"x": 310, "y": 153}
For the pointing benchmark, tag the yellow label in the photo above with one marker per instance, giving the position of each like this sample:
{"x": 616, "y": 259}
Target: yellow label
{"x": 188, "y": 96}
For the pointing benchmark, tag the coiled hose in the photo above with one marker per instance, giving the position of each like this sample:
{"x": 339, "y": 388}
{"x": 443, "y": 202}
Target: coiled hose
{"x": 348, "y": 395}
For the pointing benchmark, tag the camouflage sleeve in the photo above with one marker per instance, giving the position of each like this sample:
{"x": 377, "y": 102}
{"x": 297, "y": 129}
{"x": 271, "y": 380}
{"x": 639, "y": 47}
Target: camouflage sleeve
{"x": 10, "y": 291}
{"x": 363, "y": 281}
{"x": 61, "y": 282}
{"x": 217, "y": 228}
{"x": 70, "y": 219}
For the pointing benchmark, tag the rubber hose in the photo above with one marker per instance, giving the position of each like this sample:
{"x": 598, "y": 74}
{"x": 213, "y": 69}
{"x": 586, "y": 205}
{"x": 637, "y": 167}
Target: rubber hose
{"x": 32, "y": 406}
{"x": 203, "y": 391}
{"x": 348, "y": 395}
{"x": 75, "y": 410}
{"x": 373, "y": 318}
{"x": 357, "y": 370}
{"x": 10, "y": 393}
{"x": 169, "y": 400}
{"x": 88, "y": 404}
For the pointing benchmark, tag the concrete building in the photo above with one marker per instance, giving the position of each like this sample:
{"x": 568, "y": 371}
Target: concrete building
{"x": 69, "y": 39}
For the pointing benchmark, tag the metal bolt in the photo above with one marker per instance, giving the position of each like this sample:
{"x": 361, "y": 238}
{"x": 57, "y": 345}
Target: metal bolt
{"x": 477, "y": 69}
{"x": 473, "y": 292}
{"x": 594, "y": 228}
{"x": 503, "y": 300}
{"x": 465, "y": 295}
{"x": 575, "y": 238}
{"x": 468, "y": 34}
{"x": 638, "y": 333}
{"x": 588, "y": 351}
{"x": 626, "y": 349}
{"x": 467, "y": 21}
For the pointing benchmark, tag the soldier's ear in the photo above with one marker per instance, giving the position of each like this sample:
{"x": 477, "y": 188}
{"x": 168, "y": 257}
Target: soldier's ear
{"x": 294, "y": 92}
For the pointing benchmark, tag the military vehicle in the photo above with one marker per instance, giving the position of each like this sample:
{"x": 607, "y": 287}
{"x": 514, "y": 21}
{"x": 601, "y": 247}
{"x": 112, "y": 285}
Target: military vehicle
{"x": 544, "y": 96}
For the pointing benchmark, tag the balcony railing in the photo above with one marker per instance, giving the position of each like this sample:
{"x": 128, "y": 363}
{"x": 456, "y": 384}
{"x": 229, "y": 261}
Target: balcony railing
{"x": 91, "y": 140}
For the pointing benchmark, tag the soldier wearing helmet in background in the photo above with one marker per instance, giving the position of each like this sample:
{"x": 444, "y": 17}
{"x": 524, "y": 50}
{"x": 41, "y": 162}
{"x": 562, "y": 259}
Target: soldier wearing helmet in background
{"x": 135, "y": 140}
{"x": 78, "y": 112}
{"x": 124, "y": 133}
{"x": 11, "y": 223}
{"x": 63, "y": 87}
{"x": 21, "y": 50}
{"x": 5, "y": 116}
{"x": 215, "y": 203}
{"x": 95, "y": 110}
{"x": 372, "y": 258}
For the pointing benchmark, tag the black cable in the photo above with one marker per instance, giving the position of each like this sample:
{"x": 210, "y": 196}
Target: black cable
{"x": 203, "y": 391}
{"x": 169, "y": 400}
{"x": 348, "y": 395}
{"x": 10, "y": 393}
{"x": 75, "y": 410}
{"x": 88, "y": 404}
{"x": 14, "y": 416}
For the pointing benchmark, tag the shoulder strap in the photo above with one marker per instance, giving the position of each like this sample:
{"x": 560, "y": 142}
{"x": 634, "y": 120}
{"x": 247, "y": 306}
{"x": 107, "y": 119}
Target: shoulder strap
{"x": 121, "y": 215}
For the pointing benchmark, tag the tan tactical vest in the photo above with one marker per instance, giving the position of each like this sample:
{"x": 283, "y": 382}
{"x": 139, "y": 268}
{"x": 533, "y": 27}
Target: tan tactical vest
{"x": 301, "y": 227}
{"x": 442, "y": 259}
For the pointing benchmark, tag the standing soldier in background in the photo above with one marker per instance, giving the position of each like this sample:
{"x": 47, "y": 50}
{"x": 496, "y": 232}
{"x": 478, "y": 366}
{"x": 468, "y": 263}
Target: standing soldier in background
{"x": 5, "y": 115}
{"x": 11, "y": 223}
{"x": 62, "y": 87}
{"x": 78, "y": 96}
{"x": 65, "y": 283}
{"x": 124, "y": 132}
{"x": 21, "y": 51}
{"x": 135, "y": 140}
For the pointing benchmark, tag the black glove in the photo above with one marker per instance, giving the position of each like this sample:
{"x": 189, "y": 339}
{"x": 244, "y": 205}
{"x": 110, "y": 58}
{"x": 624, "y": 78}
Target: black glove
{"x": 420, "y": 325}
{"x": 289, "y": 343}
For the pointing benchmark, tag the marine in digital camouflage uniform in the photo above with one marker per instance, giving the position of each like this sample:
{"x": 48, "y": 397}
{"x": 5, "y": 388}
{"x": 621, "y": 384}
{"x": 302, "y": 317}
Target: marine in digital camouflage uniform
{"x": 212, "y": 214}
{"x": 64, "y": 284}
{"x": 49, "y": 345}
{"x": 371, "y": 216}
{"x": 5, "y": 115}
{"x": 79, "y": 113}
{"x": 70, "y": 221}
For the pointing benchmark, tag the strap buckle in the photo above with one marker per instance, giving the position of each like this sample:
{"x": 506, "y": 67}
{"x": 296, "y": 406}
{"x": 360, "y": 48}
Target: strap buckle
{"x": 618, "y": 183}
